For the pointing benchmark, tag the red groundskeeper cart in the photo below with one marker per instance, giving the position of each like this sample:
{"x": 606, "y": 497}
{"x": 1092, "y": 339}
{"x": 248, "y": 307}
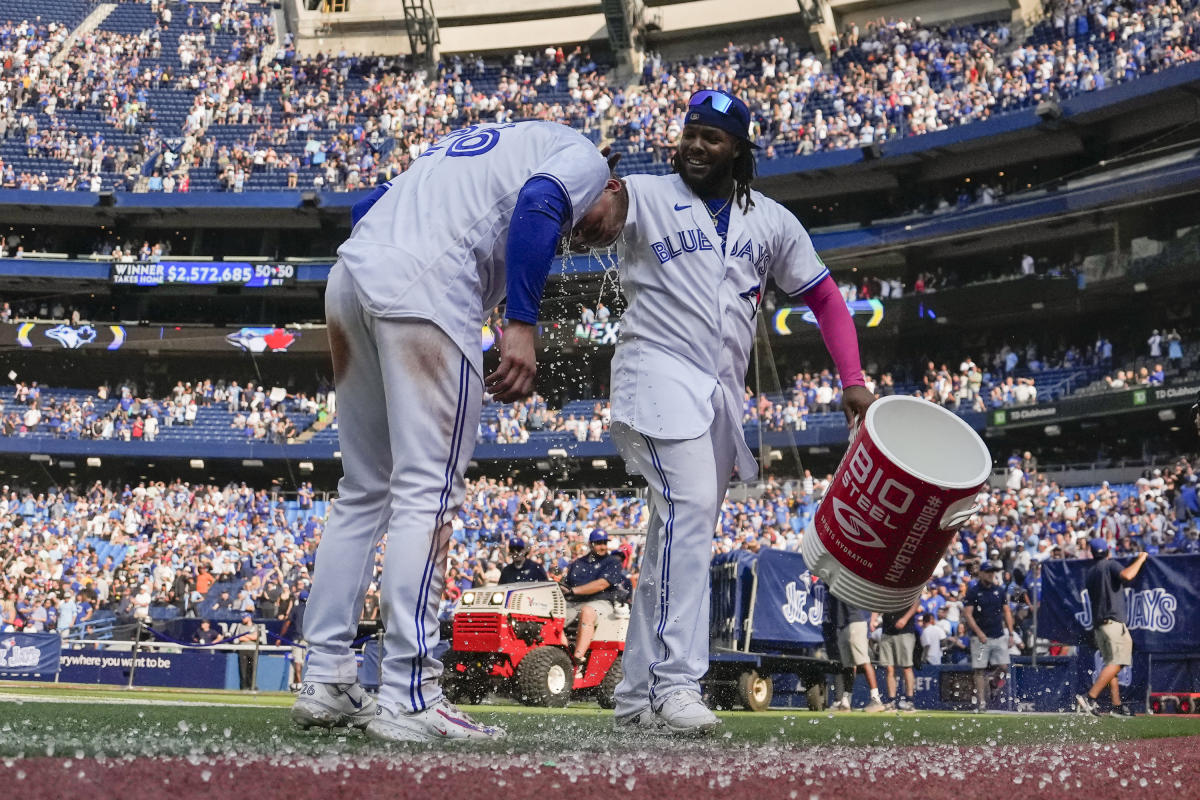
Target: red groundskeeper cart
{"x": 513, "y": 639}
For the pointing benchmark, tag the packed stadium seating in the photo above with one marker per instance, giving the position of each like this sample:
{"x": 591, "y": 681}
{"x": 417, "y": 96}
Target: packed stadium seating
{"x": 343, "y": 122}
{"x": 138, "y": 552}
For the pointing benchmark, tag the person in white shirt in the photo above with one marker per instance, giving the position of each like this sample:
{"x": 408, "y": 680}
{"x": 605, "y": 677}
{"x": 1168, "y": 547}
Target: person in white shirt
{"x": 932, "y": 635}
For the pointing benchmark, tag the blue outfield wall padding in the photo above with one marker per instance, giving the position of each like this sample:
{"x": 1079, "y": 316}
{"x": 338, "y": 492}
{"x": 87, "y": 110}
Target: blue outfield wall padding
{"x": 274, "y": 670}
{"x": 190, "y": 448}
{"x": 290, "y": 199}
{"x": 829, "y": 159}
{"x": 196, "y": 670}
{"x": 25, "y": 197}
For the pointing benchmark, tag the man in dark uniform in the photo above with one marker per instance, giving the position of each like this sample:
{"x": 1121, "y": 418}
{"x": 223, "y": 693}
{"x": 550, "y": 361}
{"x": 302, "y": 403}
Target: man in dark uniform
{"x": 1105, "y": 582}
{"x": 592, "y": 583}
{"x": 896, "y": 650}
{"x": 522, "y": 569}
{"x": 990, "y": 621}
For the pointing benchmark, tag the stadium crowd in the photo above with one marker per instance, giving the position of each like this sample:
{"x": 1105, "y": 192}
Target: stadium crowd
{"x": 180, "y": 549}
{"x": 345, "y": 121}
{"x": 1004, "y": 377}
{"x": 126, "y": 414}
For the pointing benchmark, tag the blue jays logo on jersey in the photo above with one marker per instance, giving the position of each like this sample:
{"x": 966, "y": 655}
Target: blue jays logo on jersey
{"x": 753, "y": 296}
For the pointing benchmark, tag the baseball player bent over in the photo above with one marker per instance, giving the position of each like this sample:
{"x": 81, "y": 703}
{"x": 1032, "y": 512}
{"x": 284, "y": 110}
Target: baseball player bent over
{"x": 405, "y": 303}
{"x": 696, "y": 252}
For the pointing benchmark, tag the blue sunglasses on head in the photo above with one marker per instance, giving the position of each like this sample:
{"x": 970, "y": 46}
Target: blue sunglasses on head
{"x": 718, "y": 100}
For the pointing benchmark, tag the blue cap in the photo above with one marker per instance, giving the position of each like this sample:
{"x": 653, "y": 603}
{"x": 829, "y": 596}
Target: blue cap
{"x": 598, "y": 535}
{"x": 720, "y": 110}
{"x": 516, "y": 544}
{"x": 1099, "y": 546}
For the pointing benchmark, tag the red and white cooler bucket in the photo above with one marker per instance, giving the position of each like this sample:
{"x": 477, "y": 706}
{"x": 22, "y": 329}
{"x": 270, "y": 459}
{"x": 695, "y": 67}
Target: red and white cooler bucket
{"x": 908, "y": 482}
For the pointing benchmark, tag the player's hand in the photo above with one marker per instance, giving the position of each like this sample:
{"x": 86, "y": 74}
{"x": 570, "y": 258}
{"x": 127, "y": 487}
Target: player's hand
{"x": 513, "y": 379}
{"x": 855, "y": 400}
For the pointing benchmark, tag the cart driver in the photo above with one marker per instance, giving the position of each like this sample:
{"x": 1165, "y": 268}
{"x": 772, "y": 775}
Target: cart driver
{"x": 592, "y": 583}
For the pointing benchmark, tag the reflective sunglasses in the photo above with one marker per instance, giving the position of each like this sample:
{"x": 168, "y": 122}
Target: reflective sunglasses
{"x": 718, "y": 100}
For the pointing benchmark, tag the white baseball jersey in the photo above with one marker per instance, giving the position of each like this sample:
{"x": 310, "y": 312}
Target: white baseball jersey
{"x": 432, "y": 247}
{"x": 689, "y": 325}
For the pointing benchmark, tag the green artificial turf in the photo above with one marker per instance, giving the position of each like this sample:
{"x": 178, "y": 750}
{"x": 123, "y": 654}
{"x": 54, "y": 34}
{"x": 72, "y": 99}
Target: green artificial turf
{"x": 79, "y": 726}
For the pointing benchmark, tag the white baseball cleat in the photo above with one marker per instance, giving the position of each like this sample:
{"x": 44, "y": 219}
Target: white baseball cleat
{"x": 843, "y": 704}
{"x": 332, "y": 705}
{"x": 685, "y": 712}
{"x": 438, "y": 722}
{"x": 643, "y": 721}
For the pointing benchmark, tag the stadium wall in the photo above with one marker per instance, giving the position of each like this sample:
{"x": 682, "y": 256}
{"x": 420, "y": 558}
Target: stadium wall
{"x": 932, "y": 11}
{"x": 465, "y": 26}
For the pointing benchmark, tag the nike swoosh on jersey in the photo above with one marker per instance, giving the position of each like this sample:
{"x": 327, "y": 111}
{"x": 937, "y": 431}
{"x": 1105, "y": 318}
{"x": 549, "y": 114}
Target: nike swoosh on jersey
{"x": 681, "y": 208}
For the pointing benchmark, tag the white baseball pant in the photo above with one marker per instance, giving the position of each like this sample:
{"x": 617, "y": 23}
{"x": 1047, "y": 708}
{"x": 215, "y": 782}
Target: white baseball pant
{"x": 666, "y": 647}
{"x": 408, "y": 410}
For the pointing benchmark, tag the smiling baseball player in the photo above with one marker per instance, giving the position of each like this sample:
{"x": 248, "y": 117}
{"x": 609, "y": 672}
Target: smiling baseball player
{"x": 476, "y": 217}
{"x": 696, "y": 252}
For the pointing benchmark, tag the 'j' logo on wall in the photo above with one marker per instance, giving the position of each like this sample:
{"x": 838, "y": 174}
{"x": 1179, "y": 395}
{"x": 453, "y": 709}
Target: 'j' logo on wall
{"x": 803, "y": 606}
{"x": 13, "y": 656}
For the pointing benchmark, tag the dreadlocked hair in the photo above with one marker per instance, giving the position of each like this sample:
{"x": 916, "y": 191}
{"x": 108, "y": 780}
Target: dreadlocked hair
{"x": 743, "y": 175}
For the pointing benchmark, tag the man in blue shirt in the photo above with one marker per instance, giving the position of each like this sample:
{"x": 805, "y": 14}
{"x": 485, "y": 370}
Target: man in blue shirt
{"x": 592, "y": 584}
{"x": 1105, "y": 582}
{"x": 990, "y": 622}
{"x": 522, "y": 569}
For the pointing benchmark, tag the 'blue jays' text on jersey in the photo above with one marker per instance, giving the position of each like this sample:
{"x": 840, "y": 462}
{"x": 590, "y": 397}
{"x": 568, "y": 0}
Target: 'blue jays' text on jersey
{"x": 689, "y": 325}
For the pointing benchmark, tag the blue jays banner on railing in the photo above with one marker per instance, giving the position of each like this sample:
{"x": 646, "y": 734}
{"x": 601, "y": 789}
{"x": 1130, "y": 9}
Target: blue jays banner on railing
{"x": 28, "y": 655}
{"x": 1163, "y": 603}
{"x": 788, "y": 605}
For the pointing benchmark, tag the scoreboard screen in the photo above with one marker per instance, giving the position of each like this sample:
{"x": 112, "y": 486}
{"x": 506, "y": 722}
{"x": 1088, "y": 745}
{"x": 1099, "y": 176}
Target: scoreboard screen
{"x": 202, "y": 273}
